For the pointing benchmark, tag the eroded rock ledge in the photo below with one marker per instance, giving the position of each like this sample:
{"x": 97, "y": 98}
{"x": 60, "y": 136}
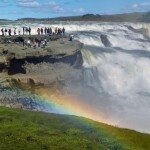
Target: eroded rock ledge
{"x": 25, "y": 69}
{"x": 14, "y": 56}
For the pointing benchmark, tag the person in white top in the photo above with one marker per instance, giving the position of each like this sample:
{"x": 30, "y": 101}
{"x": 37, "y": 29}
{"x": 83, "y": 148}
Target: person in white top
{"x": 71, "y": 37}
{"x": 29, "y": 43}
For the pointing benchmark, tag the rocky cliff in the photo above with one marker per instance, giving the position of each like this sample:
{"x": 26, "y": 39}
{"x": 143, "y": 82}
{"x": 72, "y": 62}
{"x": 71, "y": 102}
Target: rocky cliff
{"x": 23, "y": 68}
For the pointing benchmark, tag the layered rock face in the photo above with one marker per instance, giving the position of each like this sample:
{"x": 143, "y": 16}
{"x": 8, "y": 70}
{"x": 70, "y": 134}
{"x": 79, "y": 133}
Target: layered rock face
{"x": 23, "y": 68}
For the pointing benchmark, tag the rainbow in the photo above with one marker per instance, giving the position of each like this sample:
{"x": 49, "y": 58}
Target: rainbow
{"x": 67, "y": 104}
{"x": 54, "y": 101}
{"x": 59, "y": 103}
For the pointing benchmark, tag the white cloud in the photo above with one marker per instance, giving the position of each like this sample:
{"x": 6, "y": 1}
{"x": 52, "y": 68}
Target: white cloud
{"x": 79, "y": 10}
{"x": 145, "y": 6}
{"x": 28, "y": 3}
{"x": 50, "y": 6}
{"x": 135, "y": 5}
{"x": 55, "y": 6}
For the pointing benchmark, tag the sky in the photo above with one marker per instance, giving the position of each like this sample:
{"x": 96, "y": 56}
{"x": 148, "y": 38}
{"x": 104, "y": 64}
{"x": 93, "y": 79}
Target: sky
{"x": 14, "y": 9}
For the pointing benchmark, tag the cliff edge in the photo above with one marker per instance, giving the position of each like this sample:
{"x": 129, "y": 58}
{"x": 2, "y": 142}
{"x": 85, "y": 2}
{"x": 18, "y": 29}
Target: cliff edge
{"x": 57, "y": 57}
{"x": 27, "y": 68}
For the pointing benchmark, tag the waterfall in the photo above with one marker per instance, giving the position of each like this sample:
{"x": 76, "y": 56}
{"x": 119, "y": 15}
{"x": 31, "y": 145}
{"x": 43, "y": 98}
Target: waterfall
{"x": 116, "y": 70}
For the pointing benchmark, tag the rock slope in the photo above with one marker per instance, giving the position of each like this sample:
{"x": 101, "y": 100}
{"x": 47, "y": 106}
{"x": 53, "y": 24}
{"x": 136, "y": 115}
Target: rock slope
{"x": 27, "y": 68}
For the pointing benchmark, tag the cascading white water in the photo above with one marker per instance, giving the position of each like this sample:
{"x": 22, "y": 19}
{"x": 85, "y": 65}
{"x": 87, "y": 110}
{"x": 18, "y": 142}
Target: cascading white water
{"x": 123, "y": 72}
{"x": 124, "y": 80}
{"x": 119, "y": 72}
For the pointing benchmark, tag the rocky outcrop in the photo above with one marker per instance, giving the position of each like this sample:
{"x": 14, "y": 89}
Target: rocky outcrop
{"x": 25, "y": 69}
{"x": 18, "y": 65}
{"x": 60, "y": 51}
{"x": 105, "y": 40}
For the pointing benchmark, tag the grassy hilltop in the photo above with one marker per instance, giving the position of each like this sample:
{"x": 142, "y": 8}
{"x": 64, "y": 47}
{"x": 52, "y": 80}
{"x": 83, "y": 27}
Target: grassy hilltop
{"x": 126, "y": 17}
{"x": 26, "y": 130}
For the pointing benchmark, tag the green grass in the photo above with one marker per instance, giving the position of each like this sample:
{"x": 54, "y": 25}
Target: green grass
{"x": 26, "y": 130}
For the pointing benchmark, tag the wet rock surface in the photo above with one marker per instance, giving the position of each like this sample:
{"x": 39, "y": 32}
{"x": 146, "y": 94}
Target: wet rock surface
{"x": 105, "y": 41}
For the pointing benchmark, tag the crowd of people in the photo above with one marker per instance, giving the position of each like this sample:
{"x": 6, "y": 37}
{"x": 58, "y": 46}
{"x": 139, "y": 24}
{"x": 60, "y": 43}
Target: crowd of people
{"x": 49, "y": 31}
{"x": 39, "y": 31}
{"x": 35, "y": 43}
{"x": 28, "y": 31}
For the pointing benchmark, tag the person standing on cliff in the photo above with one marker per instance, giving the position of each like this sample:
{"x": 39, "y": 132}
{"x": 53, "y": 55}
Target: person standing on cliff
{"x": 63, "y": 31}
{"x": 71, "y": 37}
{"x": 38, "y": 31}
{"x": 29, "y": 43}
{"x": 23, "y": 30}
{"x": 50, "y": 31}
{"x": 2, "y": 30}
{"x": 45, "y": 30}
{"x": 29, "y": 31}
{"x": 26, "y": 30}
{"x": 9, "y": 32}
{"x": 15, "y": 31}
{"x": 5, "y": 32}
{"x": 59, "y": 31}
{"x": 41, "y": 31}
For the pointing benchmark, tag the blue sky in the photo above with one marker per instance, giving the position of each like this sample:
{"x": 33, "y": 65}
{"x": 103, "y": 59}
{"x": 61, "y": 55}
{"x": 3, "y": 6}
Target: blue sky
{"x": 13, "y": 9}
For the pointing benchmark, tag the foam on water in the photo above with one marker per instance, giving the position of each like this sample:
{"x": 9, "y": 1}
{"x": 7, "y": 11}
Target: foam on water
{"x": 124, "y": 80}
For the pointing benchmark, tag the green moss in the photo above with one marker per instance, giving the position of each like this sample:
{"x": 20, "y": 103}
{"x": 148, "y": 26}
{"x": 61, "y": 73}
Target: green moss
{"x": 26, "y": 130}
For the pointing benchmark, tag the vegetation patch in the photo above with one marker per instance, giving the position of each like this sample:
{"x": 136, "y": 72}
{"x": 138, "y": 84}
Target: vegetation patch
{"x": 20, "y": 129}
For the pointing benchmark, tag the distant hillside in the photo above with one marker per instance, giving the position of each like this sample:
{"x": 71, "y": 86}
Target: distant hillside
{"x": 4, "y": 20}
{"x": 28, "y": 130}
{"x": 146, "y": 17}
{"x": 128, "y": 17}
